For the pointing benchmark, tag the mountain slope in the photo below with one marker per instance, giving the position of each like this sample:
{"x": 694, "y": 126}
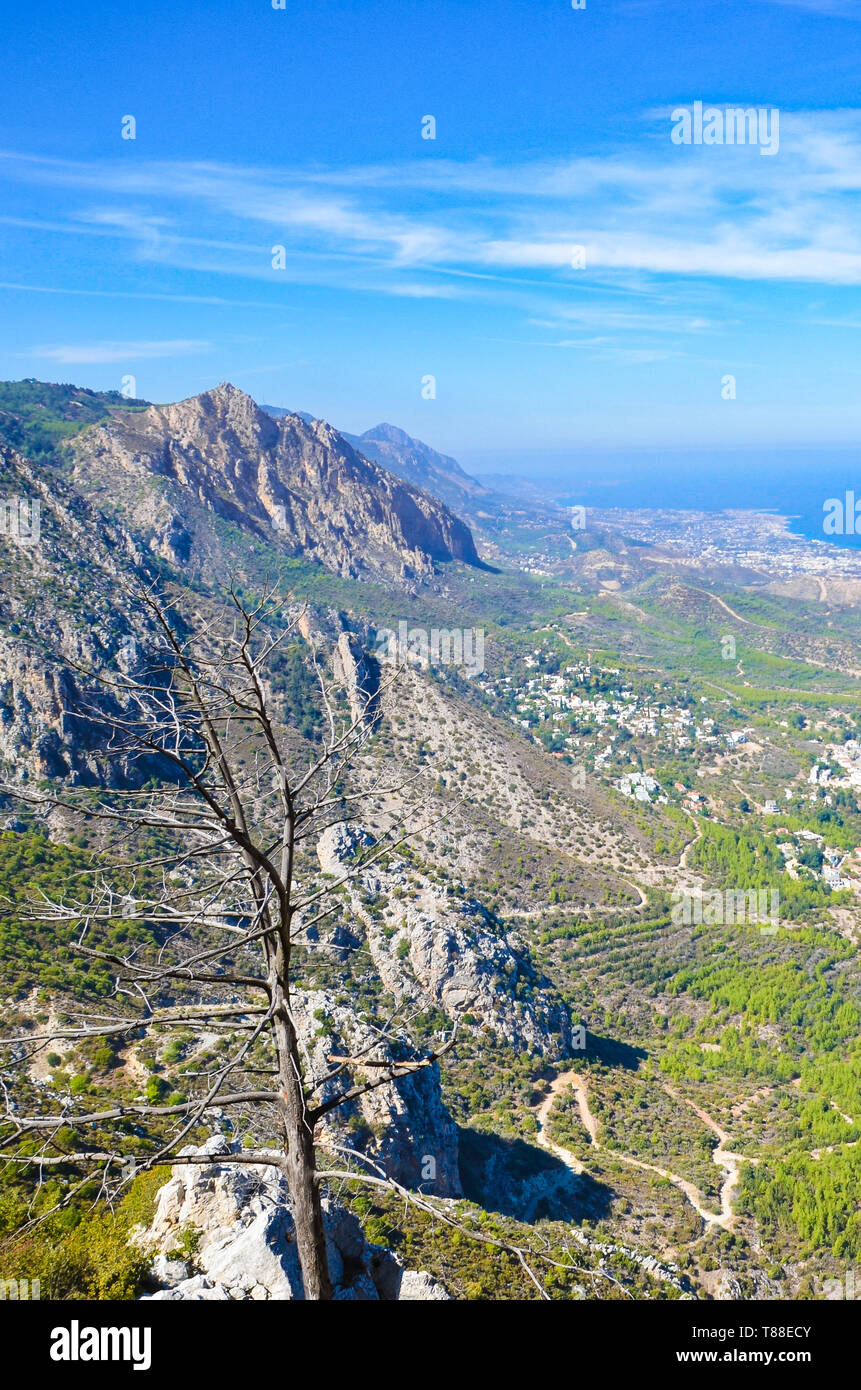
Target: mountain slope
{"x": 486, "y": 509}
{"x": 411, "y": 460}
{"x": 36, "y": 417}
{"x": 64, "y": 605}
{"x": 172, "y": 471}
{"x": 419, "y": 464}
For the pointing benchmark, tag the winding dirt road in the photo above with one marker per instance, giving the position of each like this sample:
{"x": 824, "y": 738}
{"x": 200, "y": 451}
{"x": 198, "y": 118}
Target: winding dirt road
{"x": 542, "y": 1114}
{"x": 723, "y": 1157}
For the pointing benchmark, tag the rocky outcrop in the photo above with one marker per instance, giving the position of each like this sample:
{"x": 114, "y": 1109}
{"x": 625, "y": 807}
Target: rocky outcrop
{"x": 341, "y": 845}
{"x": 354, "y": 671}
{"x": 244, "y": 1240}
{"x": 173, "y": 470}
{"x": 434, "y": 948}
{"x": 403, "y": 1125}
{"x": 59, "y": 620}
{"x": 657, "y": 1269}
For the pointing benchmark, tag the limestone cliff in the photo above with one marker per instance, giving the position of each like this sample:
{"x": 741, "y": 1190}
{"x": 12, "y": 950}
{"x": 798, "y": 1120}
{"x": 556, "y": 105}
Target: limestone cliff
{"x": 62, "y": 615}
{"x": 175, "y": 470}
{"x": 437, "y": 949}
{"x": 403, "y": 1125}
{"x": 245, "y": 1240}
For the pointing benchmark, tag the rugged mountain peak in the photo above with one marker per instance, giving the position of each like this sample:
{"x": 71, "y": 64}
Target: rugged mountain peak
{"x": 417, "y": 463}
{"x": 392, "y": 434}
{"x": 298, "y": 485}
{"x": 223, "y": 412}
{"x": 225, "y": 390}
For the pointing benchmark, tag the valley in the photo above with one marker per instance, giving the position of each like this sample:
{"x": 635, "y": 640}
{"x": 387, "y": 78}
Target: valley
{"x": 499, "y": 856}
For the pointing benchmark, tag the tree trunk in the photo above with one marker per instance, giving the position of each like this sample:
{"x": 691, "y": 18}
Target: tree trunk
{"x": 300, "y": 1165}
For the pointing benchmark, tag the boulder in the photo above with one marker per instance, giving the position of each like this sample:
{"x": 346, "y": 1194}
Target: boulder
{"x": 245, "y": 1239}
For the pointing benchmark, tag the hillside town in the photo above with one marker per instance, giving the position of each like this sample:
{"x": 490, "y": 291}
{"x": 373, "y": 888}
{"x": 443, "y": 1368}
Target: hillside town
{"x": 635, "y": 739}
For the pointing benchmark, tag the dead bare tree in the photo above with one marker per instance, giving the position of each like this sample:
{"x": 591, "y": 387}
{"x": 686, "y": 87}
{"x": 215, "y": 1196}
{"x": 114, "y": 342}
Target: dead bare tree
{"x": 213, "y": 851}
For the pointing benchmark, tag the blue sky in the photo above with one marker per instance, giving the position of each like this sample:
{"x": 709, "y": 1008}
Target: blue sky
{"x": 451, "y": 257}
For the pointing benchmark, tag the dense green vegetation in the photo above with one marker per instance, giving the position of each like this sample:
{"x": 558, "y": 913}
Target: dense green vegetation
{"x": 34, "y": 953}
{"x": 739, "y": 861}
{"x": 81, "y": 1251}
{"x": 812, "y": 1201}
{"x": 36, "y": 417}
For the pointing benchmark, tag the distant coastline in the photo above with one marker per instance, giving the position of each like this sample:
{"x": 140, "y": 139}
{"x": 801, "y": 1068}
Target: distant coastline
{"x": 795, "y": 486}
{"x": 793, "y": 482}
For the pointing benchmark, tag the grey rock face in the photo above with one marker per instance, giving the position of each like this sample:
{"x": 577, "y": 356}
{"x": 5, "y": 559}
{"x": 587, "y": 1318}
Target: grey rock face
{"x": 246, "y": 1241}
{"x": 353, "y": 670}
{"x": 170, "y": 1272}
{"x": 448, "y": 952}
{"x": 58, "y": 612}
{"x": 416, "y": 1284}
{"x": 403, "y": 1125}
{"x": 339, "y": 845}
{"x": 297, "y": 485}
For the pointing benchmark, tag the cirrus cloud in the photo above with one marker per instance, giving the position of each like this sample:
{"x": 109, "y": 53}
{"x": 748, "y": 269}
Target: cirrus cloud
{"x": 78, "y": 353}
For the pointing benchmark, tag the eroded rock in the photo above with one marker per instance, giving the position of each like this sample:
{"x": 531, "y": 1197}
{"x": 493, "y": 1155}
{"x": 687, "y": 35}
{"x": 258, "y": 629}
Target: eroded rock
{"x": 245, "y": 1240}
{"x": 440, "y": 950}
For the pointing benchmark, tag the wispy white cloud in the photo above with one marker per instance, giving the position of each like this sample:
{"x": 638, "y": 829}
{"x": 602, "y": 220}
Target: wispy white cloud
{"x": 710, "y": 211}
{"x": 653, "y": 319}
{"x": 120, "y": 352}
{"x": 89, "y": 292}
{"x": 662, "y": 226}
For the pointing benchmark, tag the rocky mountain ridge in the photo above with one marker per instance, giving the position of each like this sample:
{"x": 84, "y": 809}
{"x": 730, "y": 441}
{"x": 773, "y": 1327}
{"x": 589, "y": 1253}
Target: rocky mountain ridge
{"x": 439, "y": 474}
{"x": 174, "y": 472}
{"x": 422, "y": 466}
